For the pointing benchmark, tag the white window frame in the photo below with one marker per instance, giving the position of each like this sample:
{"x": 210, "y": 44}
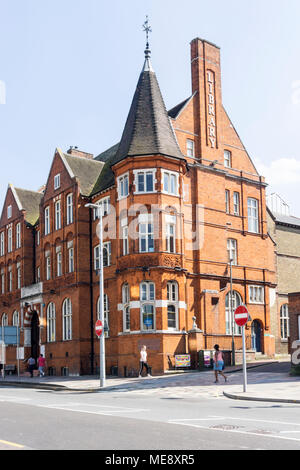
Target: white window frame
{"x": 2, "y": 243}
{"x": 104, "y": 205}
{"x": 227, "y": 159}
{"x": 227, "y": 201}
{"x": 146, "y": 221}
{"x": 232, "y": 251}
{"x": 125, "y": 237}
{"x": 253, "y": 215}
{"x": 256, "y": 295}
{"x": 4, "y": 320}
{"x": 145, "y": 172}
{"x": 236, "y": 302}
{"x": 9, "y": 240}
{"x": 71, "y": 259}
{"x": 69, "y": 203}
{"x": 10, "y": 279}
{"x": 123, "y": 186}
{"x": 9, "y": 212}
{"x": 51, "y": 323}
{"x": 48, "y": 267}
{"x": 2, "y": 282}
{"x": 284, "y": 322}
{"x": 59, "y": 263}
{"x": 67, "y": 319}
{"x": 190, "y": 148}
{"x": 47, "y": 220}
{"x": 166, "y": 182}
{"x": 236, "y": 203}
{"x": 16, "y": 318}
{"x": 107, "y": 248}
{"x": 171, "y": 237}
{"x": 19, "y": 275}
{"x": 172, "y": 300}
{"x": 147, "y": 299}
{"x": 57, "y": 181}
{"x": 126, "y": 306}
{"x": 18, "y": 236}
{"x": 57, "y": 215}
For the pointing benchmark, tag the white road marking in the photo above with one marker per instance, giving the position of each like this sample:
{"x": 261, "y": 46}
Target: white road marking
{"x": 190, "y": 422}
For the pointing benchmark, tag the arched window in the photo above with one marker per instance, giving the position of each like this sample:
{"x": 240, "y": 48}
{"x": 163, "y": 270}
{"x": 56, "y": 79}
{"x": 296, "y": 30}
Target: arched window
{"x": 16, "y": 318}
{"x": 126, "y": 307}
{"x": 67, "y": 320}
{"x": 51, "y": 323}
{"x": 4, "y": 321}
{"x": 284, "y": 322}
{"x": 106, "y": 314}
{"x": 230, "y": 308}
{"x": 172, "y": 308}
{"x": 147, "y": 300}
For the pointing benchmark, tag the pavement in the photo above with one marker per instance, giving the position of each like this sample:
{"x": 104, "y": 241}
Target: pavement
{"x": 268, "y": 381}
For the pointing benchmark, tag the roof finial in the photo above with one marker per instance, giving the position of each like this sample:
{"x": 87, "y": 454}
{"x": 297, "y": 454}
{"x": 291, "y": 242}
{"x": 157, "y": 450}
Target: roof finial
{"x": 147, "y": 29}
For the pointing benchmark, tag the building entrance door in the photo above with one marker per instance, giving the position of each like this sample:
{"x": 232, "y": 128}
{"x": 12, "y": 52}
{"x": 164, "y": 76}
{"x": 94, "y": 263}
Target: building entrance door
{"x": 256, "y": 336}
{"x": 35, "y": 336}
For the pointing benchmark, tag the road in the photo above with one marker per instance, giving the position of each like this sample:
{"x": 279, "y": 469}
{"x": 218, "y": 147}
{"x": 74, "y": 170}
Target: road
{"x": 44, "y": 420}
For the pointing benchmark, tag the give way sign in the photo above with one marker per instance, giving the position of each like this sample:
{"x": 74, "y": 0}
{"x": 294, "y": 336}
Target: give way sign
{"x": 241, "y": 315}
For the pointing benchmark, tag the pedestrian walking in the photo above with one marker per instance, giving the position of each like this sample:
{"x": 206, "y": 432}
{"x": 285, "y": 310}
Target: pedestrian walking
{"x": 31, "y": 365}
{"x": 42, "y": 364}
{"x": 144, "y": 362}
{"x": 219, "y": 363}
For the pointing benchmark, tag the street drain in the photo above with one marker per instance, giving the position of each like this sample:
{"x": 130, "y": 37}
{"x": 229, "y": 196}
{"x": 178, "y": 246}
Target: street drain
{"x": 225, "y": 427}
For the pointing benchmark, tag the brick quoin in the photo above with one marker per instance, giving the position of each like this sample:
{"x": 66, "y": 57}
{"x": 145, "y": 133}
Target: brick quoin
{"x": 200, "y": 271}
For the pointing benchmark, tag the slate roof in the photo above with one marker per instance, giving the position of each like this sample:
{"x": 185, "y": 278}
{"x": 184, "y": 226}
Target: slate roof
{"x": 30, "y": 202}
{"x": 286, "y": 219}
{"x": 148, "y": 130}
{"x": 87, "y": 171}
{"x": 174, "y": 112}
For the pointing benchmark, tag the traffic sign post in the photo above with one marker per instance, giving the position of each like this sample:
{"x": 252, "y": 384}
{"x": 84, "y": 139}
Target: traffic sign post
{"x": 241, "y": 317}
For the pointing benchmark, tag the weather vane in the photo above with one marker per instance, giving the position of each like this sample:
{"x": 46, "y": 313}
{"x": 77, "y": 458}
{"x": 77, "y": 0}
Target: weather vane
{"x": 147, "y": 29}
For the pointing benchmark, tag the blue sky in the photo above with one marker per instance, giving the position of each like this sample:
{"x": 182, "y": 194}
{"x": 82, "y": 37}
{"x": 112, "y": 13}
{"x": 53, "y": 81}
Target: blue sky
{"x": 70, "y": 68}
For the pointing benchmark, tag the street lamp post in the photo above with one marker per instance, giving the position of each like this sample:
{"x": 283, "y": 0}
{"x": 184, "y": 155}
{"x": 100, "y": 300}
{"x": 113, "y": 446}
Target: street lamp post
{"x": 232, "y": 317}
{"x": 101, "y": 294}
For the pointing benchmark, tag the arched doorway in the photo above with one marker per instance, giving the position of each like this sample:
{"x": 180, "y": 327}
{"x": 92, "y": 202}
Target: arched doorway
{"x": 35, "y": 335}
{"x": 256, "y": 333}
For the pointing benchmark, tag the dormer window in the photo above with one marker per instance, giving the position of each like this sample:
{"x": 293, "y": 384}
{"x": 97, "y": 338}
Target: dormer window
{"x": 57, "y": 181}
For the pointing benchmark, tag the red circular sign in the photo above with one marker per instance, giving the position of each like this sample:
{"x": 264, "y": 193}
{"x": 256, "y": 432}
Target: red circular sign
{"x": 241, "y": 315}
{"x": 98, "y": 328}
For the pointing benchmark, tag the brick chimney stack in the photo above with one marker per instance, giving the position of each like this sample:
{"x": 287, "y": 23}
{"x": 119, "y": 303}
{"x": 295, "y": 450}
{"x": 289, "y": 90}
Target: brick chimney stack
{"x": 79, "y": 153}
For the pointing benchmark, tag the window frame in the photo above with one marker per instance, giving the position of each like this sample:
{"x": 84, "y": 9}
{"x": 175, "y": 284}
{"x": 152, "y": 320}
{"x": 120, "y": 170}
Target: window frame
{"x": 253, "y": 221}
{"x": 145, "y": 172}
{"x": 252, "y": 292}
{"x": 148, "y": 301}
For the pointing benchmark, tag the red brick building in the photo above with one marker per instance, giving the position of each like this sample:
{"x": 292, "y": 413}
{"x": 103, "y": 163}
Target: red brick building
{"x": 181, "y": 198}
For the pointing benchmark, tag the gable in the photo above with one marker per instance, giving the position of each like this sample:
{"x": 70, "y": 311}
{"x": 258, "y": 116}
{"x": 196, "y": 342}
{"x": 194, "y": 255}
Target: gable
{"x": 11, "y": 199}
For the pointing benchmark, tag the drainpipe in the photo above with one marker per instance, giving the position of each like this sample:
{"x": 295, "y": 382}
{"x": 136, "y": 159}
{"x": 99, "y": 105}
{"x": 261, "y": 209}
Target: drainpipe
{"x": 91, "y": 291}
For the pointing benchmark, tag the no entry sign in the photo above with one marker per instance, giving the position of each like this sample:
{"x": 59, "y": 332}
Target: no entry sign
{"x": 241, "y": 315}
{"x": 99, "y": 328}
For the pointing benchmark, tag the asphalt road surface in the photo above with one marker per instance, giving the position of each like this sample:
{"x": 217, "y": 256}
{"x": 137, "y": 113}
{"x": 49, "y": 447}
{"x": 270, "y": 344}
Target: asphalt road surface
{"x": 44, "y": 420}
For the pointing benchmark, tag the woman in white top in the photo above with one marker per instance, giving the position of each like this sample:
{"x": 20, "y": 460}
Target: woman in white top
{"x": 143, "y": 361}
